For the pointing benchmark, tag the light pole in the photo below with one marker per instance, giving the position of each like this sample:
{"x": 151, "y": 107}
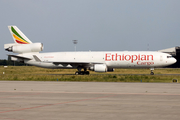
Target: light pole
{"x": 75, "y": 42}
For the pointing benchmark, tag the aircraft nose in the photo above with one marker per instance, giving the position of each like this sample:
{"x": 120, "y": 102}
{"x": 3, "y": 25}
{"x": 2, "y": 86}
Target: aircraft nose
{"x": 173, "y": 60}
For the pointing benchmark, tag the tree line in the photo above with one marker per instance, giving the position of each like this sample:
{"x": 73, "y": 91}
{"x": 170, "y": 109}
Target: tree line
{"x": 9, "y": 62}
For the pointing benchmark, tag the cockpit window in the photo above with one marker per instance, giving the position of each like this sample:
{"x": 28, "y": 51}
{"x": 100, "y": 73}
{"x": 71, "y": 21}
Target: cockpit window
{"x": 169, "y": 56}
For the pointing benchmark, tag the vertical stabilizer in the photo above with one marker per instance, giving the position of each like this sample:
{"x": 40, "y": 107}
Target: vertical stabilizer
{"x": 18, "y": 36}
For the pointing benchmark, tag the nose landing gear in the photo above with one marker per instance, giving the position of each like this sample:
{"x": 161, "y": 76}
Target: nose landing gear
{"x": 152, "y": 73}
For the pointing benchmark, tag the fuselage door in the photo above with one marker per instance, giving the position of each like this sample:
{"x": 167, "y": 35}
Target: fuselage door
{"x": 161, "y": 58}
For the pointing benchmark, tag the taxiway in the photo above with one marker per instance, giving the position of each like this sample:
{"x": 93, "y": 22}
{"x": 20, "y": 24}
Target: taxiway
{"x": 30, "y": 100}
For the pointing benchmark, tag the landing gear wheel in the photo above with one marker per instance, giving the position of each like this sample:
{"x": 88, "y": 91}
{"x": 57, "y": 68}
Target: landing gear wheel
{"x": 82, "y": 73}
{"x": 79, "y": 72}
{"x": 152, "y": 73}
{"x": 76, "y": 73}
{"x": 86, "y": 72}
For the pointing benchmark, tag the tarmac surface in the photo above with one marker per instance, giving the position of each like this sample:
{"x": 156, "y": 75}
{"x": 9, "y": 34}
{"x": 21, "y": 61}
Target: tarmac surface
{"x": 30, "y": 100}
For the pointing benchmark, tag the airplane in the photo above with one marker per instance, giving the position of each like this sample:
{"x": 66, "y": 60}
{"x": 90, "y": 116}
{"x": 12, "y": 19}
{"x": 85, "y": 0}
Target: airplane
{"x": 102, "y": 61}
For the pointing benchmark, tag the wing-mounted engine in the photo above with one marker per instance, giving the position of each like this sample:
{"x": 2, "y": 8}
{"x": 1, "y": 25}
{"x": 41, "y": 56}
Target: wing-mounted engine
{"x": 24, "y": 48}
{"x": 101, "y": 68}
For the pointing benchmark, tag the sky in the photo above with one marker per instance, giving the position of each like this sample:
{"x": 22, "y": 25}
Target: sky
{"x": 98, "y": 25}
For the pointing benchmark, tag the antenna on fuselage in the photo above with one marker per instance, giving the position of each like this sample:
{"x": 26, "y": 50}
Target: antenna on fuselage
{"x": 75, "y": 42}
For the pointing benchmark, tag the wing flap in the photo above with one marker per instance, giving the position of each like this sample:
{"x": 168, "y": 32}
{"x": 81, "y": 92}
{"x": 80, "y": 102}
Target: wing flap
{"x": 83, "y": 64}
{"x": 76, "y": 62}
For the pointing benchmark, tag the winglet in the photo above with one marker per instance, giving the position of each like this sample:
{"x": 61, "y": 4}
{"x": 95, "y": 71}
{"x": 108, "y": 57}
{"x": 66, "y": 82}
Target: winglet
{"x": 18, "y": 36}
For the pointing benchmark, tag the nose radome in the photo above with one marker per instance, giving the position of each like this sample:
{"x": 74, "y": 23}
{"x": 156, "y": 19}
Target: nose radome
{"x": 174, "y": 60}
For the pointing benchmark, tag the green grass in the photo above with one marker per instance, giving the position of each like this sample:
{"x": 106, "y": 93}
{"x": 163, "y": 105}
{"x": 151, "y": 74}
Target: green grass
{"x": 31, "y": 73}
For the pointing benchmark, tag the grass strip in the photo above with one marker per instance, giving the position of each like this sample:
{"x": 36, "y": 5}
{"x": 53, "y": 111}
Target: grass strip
{"x": 31, "y": 73}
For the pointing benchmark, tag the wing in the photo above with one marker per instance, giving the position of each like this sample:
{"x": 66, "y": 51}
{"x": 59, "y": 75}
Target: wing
{"x": 81, "y": 64}
{"x": 20, "y": 57}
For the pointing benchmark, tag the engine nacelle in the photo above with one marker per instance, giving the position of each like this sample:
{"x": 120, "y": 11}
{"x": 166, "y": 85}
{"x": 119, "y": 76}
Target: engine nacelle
{"x": 101, "y": 68}
{"x": 24, "y": 48}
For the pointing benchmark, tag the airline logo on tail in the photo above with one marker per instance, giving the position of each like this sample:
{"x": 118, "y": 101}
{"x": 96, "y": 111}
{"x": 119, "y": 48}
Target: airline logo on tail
{"x": 18, "y": 36}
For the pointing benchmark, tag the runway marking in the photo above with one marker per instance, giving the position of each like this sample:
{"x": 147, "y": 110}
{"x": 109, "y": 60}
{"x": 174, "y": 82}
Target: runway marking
{"x": 10, "y": 119}
{"x": 36, "y": 92}
{"x": 57, "y": 104}
{"x": 102, "y": 93}
{"x": 113, "y": 93}
{"x": 18, "y": 95}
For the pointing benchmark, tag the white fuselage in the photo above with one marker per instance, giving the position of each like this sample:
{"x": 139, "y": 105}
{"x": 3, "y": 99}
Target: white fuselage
{"x": 28, "y": 53}
{"x": 112, "y": 59}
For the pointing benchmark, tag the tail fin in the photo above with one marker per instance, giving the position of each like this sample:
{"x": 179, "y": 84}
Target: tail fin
{"x": 18, "y": 36}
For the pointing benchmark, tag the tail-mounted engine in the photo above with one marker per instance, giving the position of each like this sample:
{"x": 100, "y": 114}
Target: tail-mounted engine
{"x": 24, "y": 48}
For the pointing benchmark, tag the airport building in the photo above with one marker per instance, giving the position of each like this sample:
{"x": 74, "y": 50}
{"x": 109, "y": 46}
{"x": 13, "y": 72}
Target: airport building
{"x": 175, "y": 52}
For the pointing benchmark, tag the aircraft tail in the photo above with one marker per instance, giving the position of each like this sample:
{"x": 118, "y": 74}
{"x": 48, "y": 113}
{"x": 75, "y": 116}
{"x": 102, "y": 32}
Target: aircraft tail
{"x": 18, "y": 36}
{"x": 22, "y": 43}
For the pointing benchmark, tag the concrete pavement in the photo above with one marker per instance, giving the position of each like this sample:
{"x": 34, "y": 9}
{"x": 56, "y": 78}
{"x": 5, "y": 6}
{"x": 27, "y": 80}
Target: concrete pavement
{"x": 30, "y": 100}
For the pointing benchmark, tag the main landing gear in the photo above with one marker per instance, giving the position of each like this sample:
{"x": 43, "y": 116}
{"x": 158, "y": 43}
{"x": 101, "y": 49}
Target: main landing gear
{"x": 152, "y": 73}
{"x": 79, "y": 72}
